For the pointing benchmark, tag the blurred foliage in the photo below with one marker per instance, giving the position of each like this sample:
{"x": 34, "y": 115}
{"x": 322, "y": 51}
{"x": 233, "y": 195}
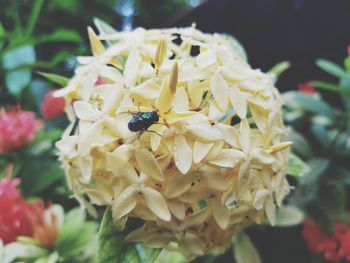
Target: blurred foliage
{"x": 76, "y": 242}
{"x": 321, "y": 135}
{"x": 33, "y": 36}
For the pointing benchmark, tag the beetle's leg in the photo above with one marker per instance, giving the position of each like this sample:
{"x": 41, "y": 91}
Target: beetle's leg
{"x": 170, "y": 109}
{"x": 154, "y": 132}
{"x": 165, "y": 124}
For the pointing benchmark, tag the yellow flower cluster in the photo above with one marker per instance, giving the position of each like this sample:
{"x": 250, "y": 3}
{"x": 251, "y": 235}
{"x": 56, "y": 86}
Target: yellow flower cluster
{"x": 173, "y": 127}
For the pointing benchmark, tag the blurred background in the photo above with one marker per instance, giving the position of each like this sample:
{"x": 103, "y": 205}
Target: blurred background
{"x": 45, "y": 36}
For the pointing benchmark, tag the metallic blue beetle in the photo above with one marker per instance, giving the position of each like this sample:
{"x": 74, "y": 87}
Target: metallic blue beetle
{"x": 141, "y": 121}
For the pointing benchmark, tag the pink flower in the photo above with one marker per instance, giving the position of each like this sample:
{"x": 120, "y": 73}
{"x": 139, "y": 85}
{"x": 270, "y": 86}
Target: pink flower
{"x": 17, "y": 129}
{"x": 333, "y": 248}
{"x": 100, "y": 81}
{"x": 14, "y": 212}
{"x": 307, "y": 88}
{"x": 52, "y": 107}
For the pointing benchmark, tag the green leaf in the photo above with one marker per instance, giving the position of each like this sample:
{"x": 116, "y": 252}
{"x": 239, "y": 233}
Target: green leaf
{"x": 301, "y": 101}
{"x": 236, "y": 46}
{"x": 2, "y": 31}
{"x": 17, "y": 80}
{"x": 330, "y": 67}
{"x": 112, "y": 247}
{"x": 330, "y": 87}
{"x": 39, "y": 174}
{"x": 318, "y": 166}
{"x": 322, "y": 135}
{"x": 170, "y": 257}
{"x": 244, "y": 249}
{"x": 332, "y": 200}
{"x": 288, "y": 216}
{"x": 2, "y": 36}
{"x": 279, "y": 68}
{"x": 14, "y": 58}
{"x": 38, "y": 89}
{"x": 57, "y": 79}
{"x": 296, "y": 166}
{"x": 300, "y": 145}
{"x": 23, "y": 252}
{"x": 44, "y": 141}
{"x": 77, "y": 236}
{"x": 61, "y": 34}
{"x": 347, "y": 64}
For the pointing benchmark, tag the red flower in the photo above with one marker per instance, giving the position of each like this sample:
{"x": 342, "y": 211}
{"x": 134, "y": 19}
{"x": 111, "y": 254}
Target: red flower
{"x": 14, "y": 212}
{"x": 17, "y": 129}
{"x": 45, "y": 225}
{"x": 52, "y": 107}
{"x": 307, "y": 88}
{"x": 349, "y": 50}
{"x": 333, "y": 248}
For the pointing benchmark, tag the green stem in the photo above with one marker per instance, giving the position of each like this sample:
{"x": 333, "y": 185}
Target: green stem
{"x": 33, "y": 19}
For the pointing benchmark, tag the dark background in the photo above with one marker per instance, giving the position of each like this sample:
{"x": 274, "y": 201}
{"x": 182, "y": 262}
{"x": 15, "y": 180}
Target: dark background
{"x": 271, "y": 31}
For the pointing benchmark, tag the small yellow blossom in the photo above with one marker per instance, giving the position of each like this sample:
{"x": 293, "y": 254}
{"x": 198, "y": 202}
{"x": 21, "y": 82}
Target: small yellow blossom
{"x": 211, "y": 164}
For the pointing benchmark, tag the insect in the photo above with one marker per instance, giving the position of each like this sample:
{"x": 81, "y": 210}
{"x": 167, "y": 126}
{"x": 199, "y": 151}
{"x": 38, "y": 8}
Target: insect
{"x": 134, "y": 123}
{"x": 141, "y": 121}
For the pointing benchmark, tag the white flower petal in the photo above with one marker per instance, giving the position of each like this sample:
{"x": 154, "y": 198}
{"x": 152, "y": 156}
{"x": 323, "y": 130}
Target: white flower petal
{"x": 132, "y": 66}
{"x": 182, "y": 154}
{"x": 215, "y": 150}
{"x": 270, "y": 210}
{"x": 262, "y": 156}
{"x": 200, "y": 150}
{"x": 219, "y": 89}
{"x": 177, "y": 184}
{"x": 228, "y": 158}
{"x": 221, "y": 214}
{"x": 113, "y": 95}
{"x": 124, "y": 203}
{"x": 191, "y": 243}
{"x": 148, "y": 164}
{"x": 206, "y": 58}
{"x": 88, "y": 137}
{"x": 88, "y": 83}
{"x": 85, "y": 165}
{"x": 229, "y": 134}
{"x": 260, "y": 198}
{"x": 216, "y": 181}
{"x": 259, "y": 118}
{"x": 245, "y": 135}
{"x": 99, "y": 197}
{"x": 148, "y": 89}
{"x": 238, "y": 102}
{"x": 156, "y": 136}
{"x": 180, "y": 102}
{"x": 177, "y": 209}
{"x": 85, "y": 111}
{"x": 156, "y": 202}
{"x": 122, "y": 168}
{"x": 110, "y": 73}
{"x": 205, "y": 131}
